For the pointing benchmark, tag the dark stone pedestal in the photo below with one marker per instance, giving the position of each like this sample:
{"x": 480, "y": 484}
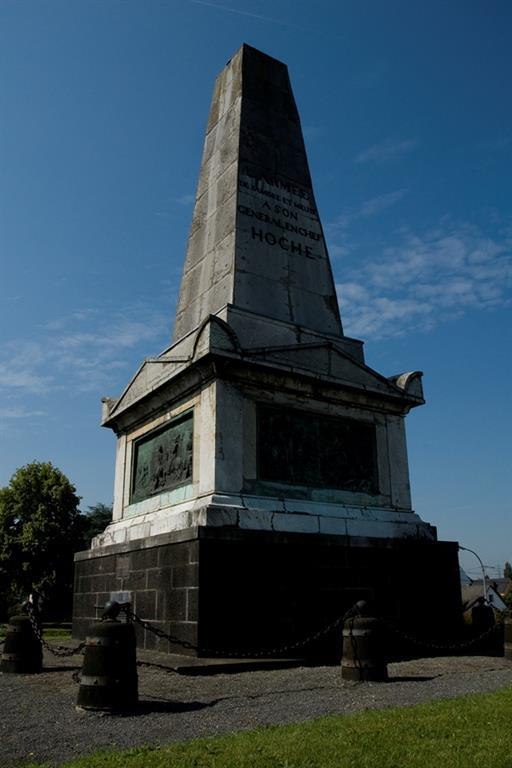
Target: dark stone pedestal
{"x": 229, "y": 591}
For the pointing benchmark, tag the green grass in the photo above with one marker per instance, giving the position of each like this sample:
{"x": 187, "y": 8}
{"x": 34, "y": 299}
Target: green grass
{"x": 468, "y": 732}
{"x": 57, "y": 634}
{"x": 49, "y": 634}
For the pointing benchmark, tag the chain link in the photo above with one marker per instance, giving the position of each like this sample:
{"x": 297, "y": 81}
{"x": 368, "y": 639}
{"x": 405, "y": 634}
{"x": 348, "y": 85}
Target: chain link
{"x": 58, "y": 650}
{"x": 158, "y": 632}
{"x": 457, "y": 645}
{"x": 234, "y": 653}
{"x": 261, "y": 653}
{"x": 154, "y": 665}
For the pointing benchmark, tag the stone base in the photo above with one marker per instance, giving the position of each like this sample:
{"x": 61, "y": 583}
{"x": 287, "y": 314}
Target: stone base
{"x": 245, "y": 592}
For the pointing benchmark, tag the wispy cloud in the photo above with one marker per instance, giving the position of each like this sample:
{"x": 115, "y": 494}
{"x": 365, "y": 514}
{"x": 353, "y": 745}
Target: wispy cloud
{"x": 386, "y": 151}
{"x": 338, "y": 227}
{"x": 258, "y": 16}
{"x": 186, "y": 199}
{"x": 79, "y": 353}
{"x": 18, "y": 412}
{"x": 376, "y": 205}
{"x": 312, "y": 132}
{"x": 427, "y": 278}
{"x": 228, "y": 9}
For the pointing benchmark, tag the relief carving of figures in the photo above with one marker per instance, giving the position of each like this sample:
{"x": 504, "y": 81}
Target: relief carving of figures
{"x": 163, "y": 460}
{"x": 309, "y": 449}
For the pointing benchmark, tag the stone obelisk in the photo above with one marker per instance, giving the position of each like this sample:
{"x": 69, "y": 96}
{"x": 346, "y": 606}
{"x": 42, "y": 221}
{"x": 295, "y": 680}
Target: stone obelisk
{"x": 256, "y": 242}
{"x": 261, "y": 482}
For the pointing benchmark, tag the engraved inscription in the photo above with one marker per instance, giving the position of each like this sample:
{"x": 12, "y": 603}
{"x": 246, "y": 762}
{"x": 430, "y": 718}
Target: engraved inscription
{"x": 312, "y": 450}
{"x": 291, "y": 220}
{"x": 163, "y": 460}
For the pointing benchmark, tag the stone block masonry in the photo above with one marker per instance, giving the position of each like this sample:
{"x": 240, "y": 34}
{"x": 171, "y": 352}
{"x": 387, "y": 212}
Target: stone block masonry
{"x": 236, "y": 592}
{"x": 161, "y": 580}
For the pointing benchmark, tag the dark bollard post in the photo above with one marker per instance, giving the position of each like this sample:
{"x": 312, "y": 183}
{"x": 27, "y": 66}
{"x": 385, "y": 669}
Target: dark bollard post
{"x": 363, "y": 653}
{"x": 22, "y": 652}
{"x": 108, "y": 679}
{"x": 508, "y": 637}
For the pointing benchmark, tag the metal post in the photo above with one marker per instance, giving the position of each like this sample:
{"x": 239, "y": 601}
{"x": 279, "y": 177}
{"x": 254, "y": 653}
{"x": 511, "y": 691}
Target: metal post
{"x": 482, "y": 567}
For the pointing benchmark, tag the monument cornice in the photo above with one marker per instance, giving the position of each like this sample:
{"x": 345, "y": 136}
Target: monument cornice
{"x": 249, "y": 370}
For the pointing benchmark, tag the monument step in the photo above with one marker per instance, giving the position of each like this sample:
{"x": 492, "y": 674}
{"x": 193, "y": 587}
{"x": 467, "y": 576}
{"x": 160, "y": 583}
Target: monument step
{"x": 192, "y": 665}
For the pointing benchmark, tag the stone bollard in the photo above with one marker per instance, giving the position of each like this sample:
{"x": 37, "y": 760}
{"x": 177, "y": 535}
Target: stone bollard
{"x": 108, "y": 680}
{"x": 22, "y": 652}
{"x": 363, "y": 654}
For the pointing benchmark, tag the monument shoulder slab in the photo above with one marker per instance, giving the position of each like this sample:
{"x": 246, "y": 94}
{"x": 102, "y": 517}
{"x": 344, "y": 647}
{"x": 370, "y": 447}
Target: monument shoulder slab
{"x": 306, "y": 523}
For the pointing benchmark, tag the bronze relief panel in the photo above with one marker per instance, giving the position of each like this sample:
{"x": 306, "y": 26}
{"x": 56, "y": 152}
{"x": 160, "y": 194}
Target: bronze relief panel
{"x": 163, "y": 459}
{"x": 319, "y": 451}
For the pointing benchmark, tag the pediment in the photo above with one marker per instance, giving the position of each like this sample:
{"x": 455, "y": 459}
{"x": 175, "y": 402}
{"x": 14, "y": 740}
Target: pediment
{"x": 213, "y": 335}
{"x": 326, "y": 360}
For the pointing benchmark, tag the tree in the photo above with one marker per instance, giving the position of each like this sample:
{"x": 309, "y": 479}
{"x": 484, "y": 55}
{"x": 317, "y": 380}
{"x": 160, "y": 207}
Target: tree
{"x": 507, "y": 571}
{"x": 95, "y": 520}
{"x": 40, "y": 529}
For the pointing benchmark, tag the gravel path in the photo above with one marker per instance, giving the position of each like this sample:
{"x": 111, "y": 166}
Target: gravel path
{"x": 39, "y": 722}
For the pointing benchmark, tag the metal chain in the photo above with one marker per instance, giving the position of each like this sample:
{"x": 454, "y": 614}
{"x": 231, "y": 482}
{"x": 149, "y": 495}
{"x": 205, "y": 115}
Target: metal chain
{"x": 231, "y": 652}
{"x": 76, "y": 677}
{"x": 459, "y": 645}
{"x": 156, "y": 631}
{"x": 58, "y": 650}
{"x": 154, "y": 665}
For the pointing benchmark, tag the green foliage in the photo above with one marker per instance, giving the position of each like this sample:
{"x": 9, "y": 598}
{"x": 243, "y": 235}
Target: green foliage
{"x": 507, "y": 571}
{"x": 40, "y": 529}
{"x": 468, "y": 732}
{"x": 94, "y": 521}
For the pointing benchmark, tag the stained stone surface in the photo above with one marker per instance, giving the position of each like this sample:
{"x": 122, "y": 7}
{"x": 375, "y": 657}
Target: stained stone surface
{"x": 284, "y": 406}
{"x": 256, "y": 240}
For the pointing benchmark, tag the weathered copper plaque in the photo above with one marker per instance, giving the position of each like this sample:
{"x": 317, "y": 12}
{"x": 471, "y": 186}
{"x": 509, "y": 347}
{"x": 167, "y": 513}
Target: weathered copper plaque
{"x": 163, "y": 460}
{"x": 312, "y": 450}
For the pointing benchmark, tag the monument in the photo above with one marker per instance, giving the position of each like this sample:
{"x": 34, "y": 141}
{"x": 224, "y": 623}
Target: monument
{"x": 261, "y": 480}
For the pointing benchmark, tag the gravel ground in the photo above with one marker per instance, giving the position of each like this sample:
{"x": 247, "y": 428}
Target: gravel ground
{"x": 39, "y": 721}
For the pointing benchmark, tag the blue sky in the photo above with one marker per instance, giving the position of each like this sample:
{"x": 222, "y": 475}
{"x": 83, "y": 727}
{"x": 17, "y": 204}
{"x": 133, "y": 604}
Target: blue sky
{"x": 407, "y": 117}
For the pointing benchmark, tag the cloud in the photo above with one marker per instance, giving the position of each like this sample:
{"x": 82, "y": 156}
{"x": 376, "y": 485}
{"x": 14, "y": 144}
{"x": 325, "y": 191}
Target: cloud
{"x": 10, "y": 416}
{"x": 337, "y": 228}
{"x": 424, "y": 279}
{"x": 184, "y": 200}
{"x": 187, "y": 199}
{"x": 81, "y": 352}
{"x": 19, "y": 413}
{"x": 258, "y": 16}
{"x": 313, "y": 131}
{"x": 378, "y": 204}
{"x": 238, "y": 12}
{"x": 21, "y": 365}
{"x": 386, "y": 151}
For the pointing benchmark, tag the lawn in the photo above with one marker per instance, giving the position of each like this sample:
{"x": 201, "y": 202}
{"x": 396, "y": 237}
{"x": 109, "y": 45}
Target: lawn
{"x": 54, "y": 633}
{"x": 468, "y": 732}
